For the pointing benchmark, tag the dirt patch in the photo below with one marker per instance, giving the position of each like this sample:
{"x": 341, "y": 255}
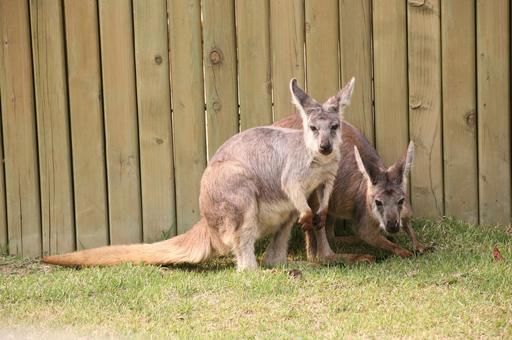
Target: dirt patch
{"x": 17, "y": 266}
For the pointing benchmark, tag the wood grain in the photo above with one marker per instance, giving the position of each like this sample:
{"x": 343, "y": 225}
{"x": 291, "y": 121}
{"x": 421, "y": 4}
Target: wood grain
{"x": 355, "y": 25}
{"x": 86, "y": 118}
{"x": 390, "y": 78}
{"x": 493, "y": 65}
{"x": 424, "y": 47}
{"x": 188, "y": 108}
{"x": 322, "y": 39}
{"x": 220, "y": 79}
{"x": 287, "y": 48}
{"x": 154, "y": 111}
{"x": 254, "y": 71}
{"x": 19, "y": 130}
{"x": 459, "y": 109}
{"x": 120, "y": 105}
{"x": 48, "y": 53}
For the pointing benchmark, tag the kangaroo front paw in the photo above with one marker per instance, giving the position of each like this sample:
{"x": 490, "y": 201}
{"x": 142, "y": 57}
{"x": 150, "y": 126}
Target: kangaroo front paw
{"x": 306, "y": 221}
{"x": 403, "y": 253}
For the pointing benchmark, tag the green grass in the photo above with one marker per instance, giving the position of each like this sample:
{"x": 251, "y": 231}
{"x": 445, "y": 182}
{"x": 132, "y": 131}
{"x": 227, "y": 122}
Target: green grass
{"x": 455, "y": 291}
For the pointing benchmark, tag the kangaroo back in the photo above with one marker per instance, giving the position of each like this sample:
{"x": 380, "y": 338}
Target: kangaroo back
{"x": 196, "y": 245}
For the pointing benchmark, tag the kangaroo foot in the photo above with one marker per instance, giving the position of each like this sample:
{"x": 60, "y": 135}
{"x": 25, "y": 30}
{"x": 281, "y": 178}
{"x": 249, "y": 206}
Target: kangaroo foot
{"x": 420, "y": 249}
{"x": 348, "y": 258}
{"x": 348, "y": 239}
{"x": 403, "y": 253}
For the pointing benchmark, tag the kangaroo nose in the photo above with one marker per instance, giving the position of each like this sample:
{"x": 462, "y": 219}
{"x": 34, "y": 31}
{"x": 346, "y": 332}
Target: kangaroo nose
{"x": 325, "y": 148}
{"x": 393, "y": 226}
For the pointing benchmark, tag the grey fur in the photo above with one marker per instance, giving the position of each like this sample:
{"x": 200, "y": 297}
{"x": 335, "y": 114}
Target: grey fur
{"x": 256, "y": 184}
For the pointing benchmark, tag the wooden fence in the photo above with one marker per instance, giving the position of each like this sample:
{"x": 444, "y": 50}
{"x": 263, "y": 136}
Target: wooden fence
{"x": 111, "y": 108}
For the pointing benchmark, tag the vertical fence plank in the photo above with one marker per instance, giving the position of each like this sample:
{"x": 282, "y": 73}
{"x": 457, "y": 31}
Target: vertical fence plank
{"x": 123, "y": 174}
{"x": 459, "y": 109}
{"x": 322, "y": 38}
{"x": 86, "y": 117}
{"x": 220, "y": 71}
{"x": 48, "y": 52}
{"x": 188, "y": 107}
{"x": 154, "y": 109}
{"x": 424, "y": 38}
{"x": 493, "y": 65}
{"x": 390, "y": 78}
{"x": 253, "y": 42}
{"x": 3, "y": 212}
{"x": 18, "y": 121}
{"x": 287, "y": 47}
{"x": 356, "y": 60}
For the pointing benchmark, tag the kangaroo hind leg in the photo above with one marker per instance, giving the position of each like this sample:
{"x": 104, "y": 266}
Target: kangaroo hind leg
{"x": 277, "y": 250}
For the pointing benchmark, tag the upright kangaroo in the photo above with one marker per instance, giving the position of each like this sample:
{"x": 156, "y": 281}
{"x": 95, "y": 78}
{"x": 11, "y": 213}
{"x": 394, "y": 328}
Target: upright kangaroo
{"x": 365, "y": 191}
{"x": 256, "y": 184}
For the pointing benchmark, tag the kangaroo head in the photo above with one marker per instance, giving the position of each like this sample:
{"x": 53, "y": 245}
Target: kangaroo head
{"x": 322, "y": 122}
{"x": 387, "y": 189}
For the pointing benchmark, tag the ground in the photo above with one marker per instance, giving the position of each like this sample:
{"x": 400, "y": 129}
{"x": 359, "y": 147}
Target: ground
{"x": 459, "y": 290}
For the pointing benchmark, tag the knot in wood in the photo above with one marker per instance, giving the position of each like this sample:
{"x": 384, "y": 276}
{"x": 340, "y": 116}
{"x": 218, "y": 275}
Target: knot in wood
{"x": 216, "y": 106}
{"x": 470, "y": 119}
{"x": 158, "y": 59}
{"x": 215, "y": 56}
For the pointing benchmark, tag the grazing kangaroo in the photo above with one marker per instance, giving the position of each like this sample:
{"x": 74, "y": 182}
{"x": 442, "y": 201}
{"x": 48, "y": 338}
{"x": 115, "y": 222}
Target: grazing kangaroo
{"x": 256, "y": 184}
{"x": 365, "y": 191}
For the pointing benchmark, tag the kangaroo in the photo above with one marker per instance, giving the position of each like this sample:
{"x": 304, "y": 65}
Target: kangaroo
{"x": 256, "y": 184}
{"x": 372, "y": 196}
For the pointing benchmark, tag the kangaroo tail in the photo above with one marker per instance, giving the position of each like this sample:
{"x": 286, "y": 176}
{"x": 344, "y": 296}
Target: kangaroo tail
{"x": 194, "y": 246}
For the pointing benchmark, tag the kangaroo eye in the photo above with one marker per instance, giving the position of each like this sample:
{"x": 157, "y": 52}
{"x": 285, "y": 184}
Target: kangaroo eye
{"x": 335, "y": 127}
{"x": 313, "y": 128}
{"x": 378, "y": 203}
{"x": 401, "y": 201}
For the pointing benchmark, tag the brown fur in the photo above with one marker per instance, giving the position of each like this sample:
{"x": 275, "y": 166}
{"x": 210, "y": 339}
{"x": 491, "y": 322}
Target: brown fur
{"x": 355, "y": 191}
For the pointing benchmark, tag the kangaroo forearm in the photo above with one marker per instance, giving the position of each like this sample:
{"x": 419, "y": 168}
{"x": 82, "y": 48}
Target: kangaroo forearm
{"x": 298, "y": 198}
{"x": 324, "y": 196}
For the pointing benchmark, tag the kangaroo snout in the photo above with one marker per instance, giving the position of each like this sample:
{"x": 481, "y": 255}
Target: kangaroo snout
{"x": 393, "y": 226}
{"x": 325, "y": 148}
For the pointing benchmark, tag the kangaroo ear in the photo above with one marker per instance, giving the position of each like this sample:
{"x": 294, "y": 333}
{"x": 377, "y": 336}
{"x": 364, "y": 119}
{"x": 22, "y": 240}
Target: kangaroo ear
{"x": 341, "y": 100}
{"x": 401, "y": 169}
{"x": 409, "y": 158}
{"x": 301, "y": 99}
{"x": 361, "y": 167}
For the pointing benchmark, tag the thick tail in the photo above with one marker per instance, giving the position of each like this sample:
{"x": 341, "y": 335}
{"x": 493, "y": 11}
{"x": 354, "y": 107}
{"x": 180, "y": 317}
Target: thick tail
{"x": 196, "y": 245}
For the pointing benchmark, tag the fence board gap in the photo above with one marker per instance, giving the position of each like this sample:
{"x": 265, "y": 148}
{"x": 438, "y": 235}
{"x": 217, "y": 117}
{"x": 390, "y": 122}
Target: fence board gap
{"x": 3, "y": 212}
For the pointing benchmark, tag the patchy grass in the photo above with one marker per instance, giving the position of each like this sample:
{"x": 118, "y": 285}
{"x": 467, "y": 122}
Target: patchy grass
{"x": 456, "y": 291}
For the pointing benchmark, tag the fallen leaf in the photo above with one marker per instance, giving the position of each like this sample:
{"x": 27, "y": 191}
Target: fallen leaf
{"x": 496, "y": 254}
